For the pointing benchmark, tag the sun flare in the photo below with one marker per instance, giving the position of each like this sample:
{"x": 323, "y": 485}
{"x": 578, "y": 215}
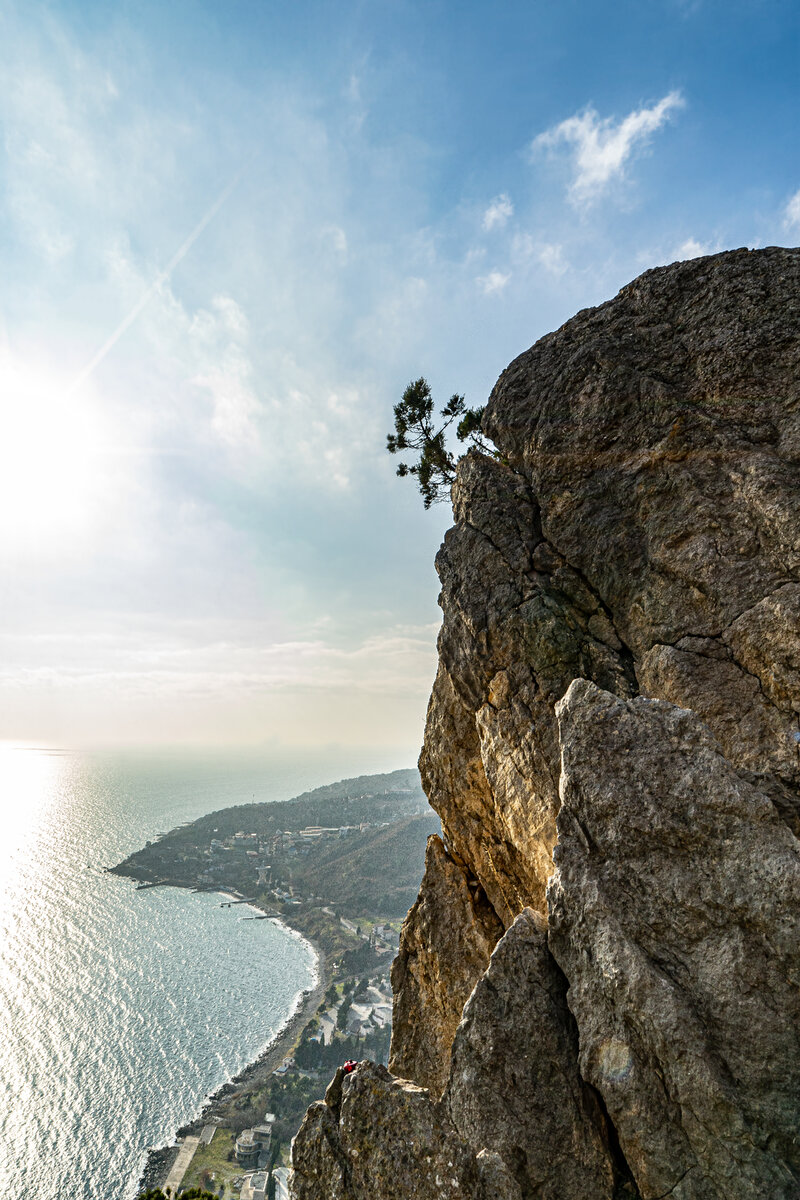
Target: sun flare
{"x": 49, "y": 465}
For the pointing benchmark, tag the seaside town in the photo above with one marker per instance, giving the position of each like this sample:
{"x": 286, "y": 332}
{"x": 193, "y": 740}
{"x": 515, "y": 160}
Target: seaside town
{"x": 344, "y": 880}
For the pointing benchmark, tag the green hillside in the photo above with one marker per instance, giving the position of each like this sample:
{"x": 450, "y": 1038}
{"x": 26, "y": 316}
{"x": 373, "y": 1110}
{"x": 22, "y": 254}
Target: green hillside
{"x": 368, "y": 799}
{"x": 377, "y": 871}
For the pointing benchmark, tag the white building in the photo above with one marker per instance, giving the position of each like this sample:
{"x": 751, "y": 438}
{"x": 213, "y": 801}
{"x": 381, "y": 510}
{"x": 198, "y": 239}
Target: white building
{"x": 254, "y": 1143}
{"x": 254, "y": 1187}
{"x": 362, "y": 1018}
{"x": 281, "y": 1177}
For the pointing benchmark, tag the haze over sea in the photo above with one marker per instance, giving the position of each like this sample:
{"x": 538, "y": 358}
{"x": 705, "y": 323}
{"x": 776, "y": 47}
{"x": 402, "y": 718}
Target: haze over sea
{"x": 121, "y": 1010}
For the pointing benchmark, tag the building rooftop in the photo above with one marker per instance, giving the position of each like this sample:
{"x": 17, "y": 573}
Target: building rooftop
{"x": 254, "y": 1187}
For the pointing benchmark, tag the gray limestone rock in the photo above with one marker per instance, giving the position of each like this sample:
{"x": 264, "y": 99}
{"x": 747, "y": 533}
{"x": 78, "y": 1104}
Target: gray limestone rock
{"x": 390, "y": 1140}
{"x": 640, "y": 530}
{"x": 519, "y": 625}
{"x": 659, "y": 436}
{"x": 319, "y": 1166}
{"x": 753, "y": 732}
{"x": 516, "y": 1122}
{"x": 766, "y": 641}
{"x": 496, "y": 1180}
{"x": 445, "y": 945}
{"x": 515, "y": 1088}
{"x": 675, "y": 915}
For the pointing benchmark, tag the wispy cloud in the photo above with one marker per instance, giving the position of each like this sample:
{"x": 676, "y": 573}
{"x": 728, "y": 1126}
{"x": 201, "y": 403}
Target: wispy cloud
{"x": 688, "y": 8}
{"x": 211, "y": 683}
{"x": 228, "y": 376}
{"x": 551, "y": 256}
{"x": 526, "y": 249}
{"x": 494, "y": 282}
{"x": 791, "y": 215}
{"x": 691, "y": 248}
{"x": 209, "y": 656}
{"x": 210, "y": 346}
{"x": 336, "y": 238}
{"x": 498, "y": 213}
{"x": 161, "y": 278}
{"x": 601, "y": 146}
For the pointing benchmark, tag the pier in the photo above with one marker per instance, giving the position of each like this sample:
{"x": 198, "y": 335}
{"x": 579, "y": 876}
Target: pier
{"x": 181, "y": 1164}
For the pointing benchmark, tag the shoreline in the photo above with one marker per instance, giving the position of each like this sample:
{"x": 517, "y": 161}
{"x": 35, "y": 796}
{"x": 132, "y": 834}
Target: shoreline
{"x": 159, "y": 1159}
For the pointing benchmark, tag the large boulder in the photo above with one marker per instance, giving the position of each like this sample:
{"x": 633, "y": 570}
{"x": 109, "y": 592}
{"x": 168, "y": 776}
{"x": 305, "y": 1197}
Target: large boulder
{"x": 377, "y": 1137}
{"x": 515, "y": 1087}
{"x": 675, "y": 915}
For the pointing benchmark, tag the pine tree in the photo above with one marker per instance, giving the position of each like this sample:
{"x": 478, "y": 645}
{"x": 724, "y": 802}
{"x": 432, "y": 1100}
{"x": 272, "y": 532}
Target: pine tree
{"x": 415, "y": 429}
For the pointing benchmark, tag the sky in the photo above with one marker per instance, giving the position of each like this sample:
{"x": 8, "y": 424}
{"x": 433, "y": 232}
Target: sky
{"x": 230, "y": 234}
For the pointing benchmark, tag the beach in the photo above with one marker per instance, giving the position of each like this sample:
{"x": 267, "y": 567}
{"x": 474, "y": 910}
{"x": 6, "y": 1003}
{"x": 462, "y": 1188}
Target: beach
{"x": 217, "y": 1108}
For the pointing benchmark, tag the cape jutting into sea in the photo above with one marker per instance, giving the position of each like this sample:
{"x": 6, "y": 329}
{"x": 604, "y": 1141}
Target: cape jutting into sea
{"x": 122, "y": 1010}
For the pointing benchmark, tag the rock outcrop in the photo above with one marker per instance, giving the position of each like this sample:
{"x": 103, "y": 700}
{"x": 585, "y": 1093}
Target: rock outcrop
{"x": 515, "y": 1085}
{"x": 376, "y": 1136}
{"x": 448, "y": 938}
{"x": 613, "y": 747}
{"x": 674, "y": 914}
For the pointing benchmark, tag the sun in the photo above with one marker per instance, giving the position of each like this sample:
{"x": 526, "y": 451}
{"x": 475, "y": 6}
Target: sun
{"x": 49, "y": 461}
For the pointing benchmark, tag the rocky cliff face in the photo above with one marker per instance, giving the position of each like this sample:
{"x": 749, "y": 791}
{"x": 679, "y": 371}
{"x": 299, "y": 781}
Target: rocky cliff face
{"x": 598, "y": 989}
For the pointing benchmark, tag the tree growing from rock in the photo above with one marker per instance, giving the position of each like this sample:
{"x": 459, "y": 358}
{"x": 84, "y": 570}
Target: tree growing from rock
{"x": 416, "y": 428}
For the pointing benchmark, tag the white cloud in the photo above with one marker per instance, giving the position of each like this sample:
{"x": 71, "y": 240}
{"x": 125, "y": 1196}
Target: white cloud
{"x": 662, "y": 253}
{"x": 235, "y": 404}
{"x": 335, "y": 237}
{"x": 214, "y": 681}
{"x": 213, "y": 655}
{"x": 791, "y": 216}
{"x": 526, "y": 249}
{"x": 691, "y": 248}
{"x": 498, "y": 213}
{"x": 495, "y": 281}
{"x": 232, "y": 316}
{"x": 601, "y": 147}
{"x": 353, "y": 94}
{"x": 551, "y": 256}
{"x": 221, "y": 338}
{"x": 209, "y": 344}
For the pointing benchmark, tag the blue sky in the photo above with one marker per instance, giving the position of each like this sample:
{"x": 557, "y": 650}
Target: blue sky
{"x": 231, "y": 234}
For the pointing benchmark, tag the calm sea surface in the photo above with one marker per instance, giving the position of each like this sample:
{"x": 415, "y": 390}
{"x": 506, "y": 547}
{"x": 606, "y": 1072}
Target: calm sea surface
{"x": 121, "y": 1010}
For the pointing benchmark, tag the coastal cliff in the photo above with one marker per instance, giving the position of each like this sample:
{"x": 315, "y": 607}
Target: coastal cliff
{"x": 597, "y": 993}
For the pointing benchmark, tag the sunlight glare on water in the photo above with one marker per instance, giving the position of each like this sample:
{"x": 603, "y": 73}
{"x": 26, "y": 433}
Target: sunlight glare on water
{"x": 122, "y": 1010}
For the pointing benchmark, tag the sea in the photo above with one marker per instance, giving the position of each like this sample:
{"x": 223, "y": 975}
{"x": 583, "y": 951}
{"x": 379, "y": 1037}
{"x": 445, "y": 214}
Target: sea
{"x": 121, "y": 1011}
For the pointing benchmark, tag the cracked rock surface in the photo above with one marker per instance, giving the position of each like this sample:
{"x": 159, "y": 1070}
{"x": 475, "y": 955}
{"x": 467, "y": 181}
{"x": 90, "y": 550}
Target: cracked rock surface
{"x": 514, "y": 1080}
{"x": 375, "y": 1136}
{"x": 675, "y": 915}
{"x": 448, "y": 938}
{"x": 639, "y": 533}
